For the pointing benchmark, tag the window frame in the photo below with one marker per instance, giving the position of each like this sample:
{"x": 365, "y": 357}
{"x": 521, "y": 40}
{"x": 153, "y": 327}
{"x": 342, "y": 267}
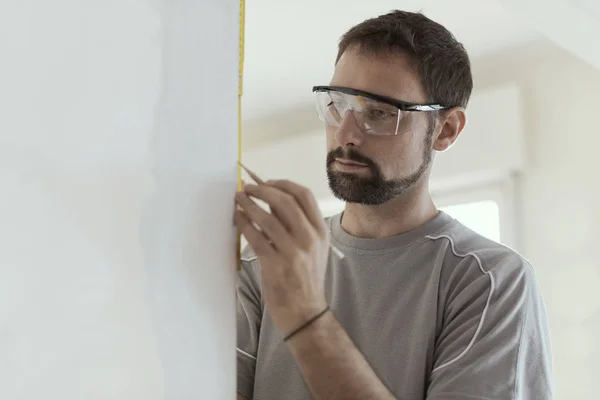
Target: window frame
{"x": 501, "y": 191}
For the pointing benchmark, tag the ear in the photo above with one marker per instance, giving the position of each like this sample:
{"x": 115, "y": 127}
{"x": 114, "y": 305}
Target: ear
{"x": 453, "y": 121}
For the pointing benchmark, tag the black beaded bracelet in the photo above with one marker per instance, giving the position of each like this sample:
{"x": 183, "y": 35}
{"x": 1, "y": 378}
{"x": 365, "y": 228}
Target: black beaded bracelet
{"x": 307, "y": 323}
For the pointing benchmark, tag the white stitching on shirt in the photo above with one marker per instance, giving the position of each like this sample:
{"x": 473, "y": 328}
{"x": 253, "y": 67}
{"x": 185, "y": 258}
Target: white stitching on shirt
{"x": 487, "y": 304}
{"x": 242, "y": 352}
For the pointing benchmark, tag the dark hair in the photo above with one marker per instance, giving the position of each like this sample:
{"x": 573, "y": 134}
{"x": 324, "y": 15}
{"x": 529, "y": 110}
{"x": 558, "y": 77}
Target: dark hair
{"x": 440, "y": 60}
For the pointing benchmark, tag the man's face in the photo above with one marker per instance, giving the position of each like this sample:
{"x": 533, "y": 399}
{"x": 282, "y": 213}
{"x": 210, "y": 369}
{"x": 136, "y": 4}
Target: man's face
{"x": 387, "y": 165}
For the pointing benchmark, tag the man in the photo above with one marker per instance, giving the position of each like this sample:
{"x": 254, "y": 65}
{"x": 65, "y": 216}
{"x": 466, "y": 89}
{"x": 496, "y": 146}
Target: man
{"x": 419, "y": 306}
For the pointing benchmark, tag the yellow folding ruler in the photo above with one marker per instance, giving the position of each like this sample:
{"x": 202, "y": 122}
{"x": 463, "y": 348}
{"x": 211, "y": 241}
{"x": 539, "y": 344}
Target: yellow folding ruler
{"x": 240, "y": 89}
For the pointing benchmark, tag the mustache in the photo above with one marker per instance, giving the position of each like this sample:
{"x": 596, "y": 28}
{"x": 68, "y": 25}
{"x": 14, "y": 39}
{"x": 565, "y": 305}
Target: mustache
{"x": 349, "y": 154}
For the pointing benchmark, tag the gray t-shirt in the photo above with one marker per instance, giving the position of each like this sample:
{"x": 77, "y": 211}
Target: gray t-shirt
{"x": 439, "y": 312}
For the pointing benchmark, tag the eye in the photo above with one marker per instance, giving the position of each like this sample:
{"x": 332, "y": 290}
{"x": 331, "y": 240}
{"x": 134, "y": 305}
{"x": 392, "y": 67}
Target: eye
{"x": 376, "y": 113}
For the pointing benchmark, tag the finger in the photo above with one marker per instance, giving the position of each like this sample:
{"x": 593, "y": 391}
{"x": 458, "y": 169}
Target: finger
{"x": 259, "y": 243}
{"x": 268, "y": 223}
{"x": 285, "y": 206}
{"x": 305, "y": 198}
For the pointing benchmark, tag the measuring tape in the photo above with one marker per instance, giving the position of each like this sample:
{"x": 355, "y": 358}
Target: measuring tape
{"x": 240, "y": 90}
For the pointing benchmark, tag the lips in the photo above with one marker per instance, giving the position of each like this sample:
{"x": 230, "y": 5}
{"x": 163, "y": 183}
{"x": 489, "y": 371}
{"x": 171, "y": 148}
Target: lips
{"x": 350, "y": 162}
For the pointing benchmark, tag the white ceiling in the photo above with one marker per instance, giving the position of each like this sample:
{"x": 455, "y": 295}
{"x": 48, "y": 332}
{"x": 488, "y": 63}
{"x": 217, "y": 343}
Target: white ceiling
{"x": 291, "y": 46}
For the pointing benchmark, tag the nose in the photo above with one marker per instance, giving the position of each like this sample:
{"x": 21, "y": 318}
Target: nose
{"x": 349, "y": 132}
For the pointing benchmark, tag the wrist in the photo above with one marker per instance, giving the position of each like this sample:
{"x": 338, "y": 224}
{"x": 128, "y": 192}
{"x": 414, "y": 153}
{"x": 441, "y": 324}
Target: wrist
{"x": 318, "y": 331}
{"x": 307, "y": 324}
{"x": 289, "y": 318}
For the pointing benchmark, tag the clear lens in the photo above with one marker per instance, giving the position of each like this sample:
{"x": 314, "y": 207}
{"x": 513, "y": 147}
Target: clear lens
{"x": 372, "y": 117}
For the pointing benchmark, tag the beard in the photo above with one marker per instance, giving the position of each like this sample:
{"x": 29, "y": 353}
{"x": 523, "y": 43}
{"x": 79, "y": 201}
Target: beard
{"x": 374, "y": 189}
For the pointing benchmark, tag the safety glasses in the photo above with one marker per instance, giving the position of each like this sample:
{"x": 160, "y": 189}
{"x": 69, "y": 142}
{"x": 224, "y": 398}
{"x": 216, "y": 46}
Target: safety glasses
{"x": 374, "y": 114}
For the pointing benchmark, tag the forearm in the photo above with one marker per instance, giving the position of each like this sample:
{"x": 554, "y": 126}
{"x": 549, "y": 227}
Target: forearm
{"x": 331, "y": 364}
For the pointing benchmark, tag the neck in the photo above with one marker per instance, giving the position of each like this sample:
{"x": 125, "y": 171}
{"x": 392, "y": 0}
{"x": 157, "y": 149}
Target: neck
{"x": 404, "y": 213}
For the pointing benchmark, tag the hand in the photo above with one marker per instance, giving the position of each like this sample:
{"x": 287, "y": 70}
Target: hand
{"x": 292, "y": 245}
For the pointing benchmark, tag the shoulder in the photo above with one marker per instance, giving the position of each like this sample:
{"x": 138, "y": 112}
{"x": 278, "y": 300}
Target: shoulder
{"x": 472, "y": 262}
{"x": 489, "y": 304}
{"x": 459, "y": 245}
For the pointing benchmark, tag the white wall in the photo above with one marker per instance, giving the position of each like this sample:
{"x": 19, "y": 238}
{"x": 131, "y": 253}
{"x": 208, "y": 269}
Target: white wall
{"x": 560, "y": 214}
{"x": 98, "y": 102}
{"x": 557, "y": 204}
